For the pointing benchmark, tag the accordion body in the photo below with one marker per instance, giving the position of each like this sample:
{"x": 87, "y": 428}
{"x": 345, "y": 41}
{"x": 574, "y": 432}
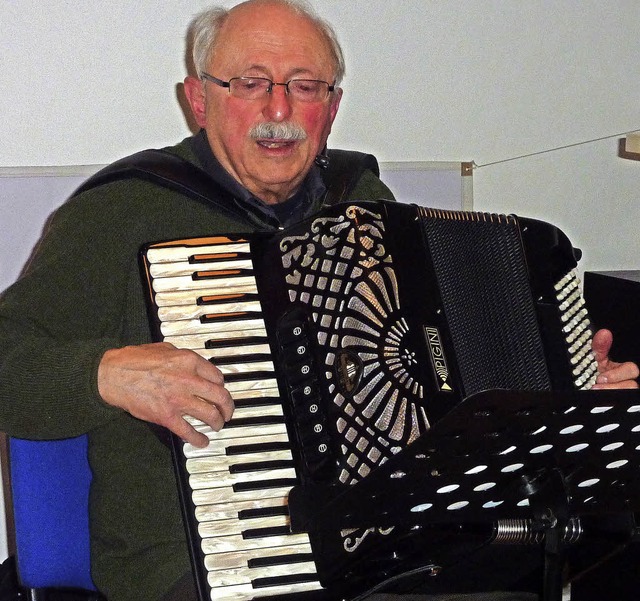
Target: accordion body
{"x": 343, "y": 340}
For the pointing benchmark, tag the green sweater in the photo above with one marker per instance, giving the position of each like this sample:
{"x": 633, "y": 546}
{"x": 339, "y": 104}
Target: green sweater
{"x": 81, "y": 295}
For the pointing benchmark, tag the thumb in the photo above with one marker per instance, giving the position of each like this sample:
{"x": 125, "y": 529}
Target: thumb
{"x": 601, "y": 344}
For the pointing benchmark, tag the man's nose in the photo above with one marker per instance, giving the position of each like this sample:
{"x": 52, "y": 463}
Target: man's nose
{"x": 278, "y": 107}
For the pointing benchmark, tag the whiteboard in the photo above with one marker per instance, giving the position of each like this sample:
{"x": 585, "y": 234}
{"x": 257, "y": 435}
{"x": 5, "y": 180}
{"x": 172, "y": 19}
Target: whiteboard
{"x": 441, "y": 184}
{"x": 28, "y": 196}
{"x": 26, "y": 202}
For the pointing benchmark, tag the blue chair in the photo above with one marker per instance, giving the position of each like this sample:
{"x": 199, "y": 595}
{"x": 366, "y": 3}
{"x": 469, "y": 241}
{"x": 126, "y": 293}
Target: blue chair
{"x": 50, "y": 490}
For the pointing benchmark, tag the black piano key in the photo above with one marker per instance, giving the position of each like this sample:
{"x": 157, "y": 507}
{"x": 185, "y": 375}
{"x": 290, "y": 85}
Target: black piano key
{"x": 242, "y": 468}
{"x": 283, "y": 580}
{"x": 263, "y": 512}
{"x": 261, "y": 447}
{"x": 236, "y": 342}
{"x": 219, "y": 257}
{"x": 265, "y": 401}
{"x": 250, "y": 533}
{"x": 276, "y": 560}
{"x": 227, "y": 317}
{"x": 241, "y": 359}
{"x": 212, "y": 275}
{"x": 248, "y": 376}
{"x": 227, "y": 298}
{"x": 241, "y": 422}
{"x": 264, "y": 484}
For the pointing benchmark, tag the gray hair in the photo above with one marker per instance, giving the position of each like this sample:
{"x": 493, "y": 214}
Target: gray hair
{"x": 205, "y": 27}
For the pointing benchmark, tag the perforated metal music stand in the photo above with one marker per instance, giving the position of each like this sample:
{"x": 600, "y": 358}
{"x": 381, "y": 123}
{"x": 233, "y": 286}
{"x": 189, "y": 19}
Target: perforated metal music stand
{"x": 546, "y": 456}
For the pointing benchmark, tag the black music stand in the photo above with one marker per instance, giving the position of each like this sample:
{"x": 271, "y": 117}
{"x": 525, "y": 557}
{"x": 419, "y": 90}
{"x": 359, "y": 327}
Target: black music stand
{"x": 544, "y": 456}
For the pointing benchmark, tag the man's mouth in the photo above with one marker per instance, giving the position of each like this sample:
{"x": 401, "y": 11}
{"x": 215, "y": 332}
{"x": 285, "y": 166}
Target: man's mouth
{"x": 275, "y": 144}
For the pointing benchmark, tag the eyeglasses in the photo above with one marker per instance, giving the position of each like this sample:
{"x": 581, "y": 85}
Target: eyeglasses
{"x": 252, "y": 88}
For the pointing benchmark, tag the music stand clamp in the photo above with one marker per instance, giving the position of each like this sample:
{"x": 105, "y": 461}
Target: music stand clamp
{"x": 544, "y": 456}
{"x": 549, "y": 503}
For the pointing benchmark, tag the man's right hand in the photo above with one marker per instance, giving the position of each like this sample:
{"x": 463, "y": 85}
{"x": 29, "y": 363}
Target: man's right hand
{"x": 160, "y": 383}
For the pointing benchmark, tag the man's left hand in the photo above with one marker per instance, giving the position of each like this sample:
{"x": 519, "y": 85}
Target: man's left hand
{"x": 610, "y": 373}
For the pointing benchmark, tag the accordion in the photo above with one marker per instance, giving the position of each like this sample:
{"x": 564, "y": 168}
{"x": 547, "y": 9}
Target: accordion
{"x": 343, "y": 340}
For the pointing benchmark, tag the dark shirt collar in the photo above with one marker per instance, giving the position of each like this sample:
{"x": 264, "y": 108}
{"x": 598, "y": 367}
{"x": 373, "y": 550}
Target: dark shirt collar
{"x": 285, "y": 213}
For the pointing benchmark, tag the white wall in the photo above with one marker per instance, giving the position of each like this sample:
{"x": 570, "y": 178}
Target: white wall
{"x": 427, "y": 80}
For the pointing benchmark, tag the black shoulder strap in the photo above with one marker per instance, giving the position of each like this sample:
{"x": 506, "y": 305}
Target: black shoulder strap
{"x": 171, "y": 171}
{"x": 344, "y": 171}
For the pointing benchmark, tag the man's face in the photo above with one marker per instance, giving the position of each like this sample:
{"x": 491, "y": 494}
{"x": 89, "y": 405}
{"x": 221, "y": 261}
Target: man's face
{"x": 271, "y": 42}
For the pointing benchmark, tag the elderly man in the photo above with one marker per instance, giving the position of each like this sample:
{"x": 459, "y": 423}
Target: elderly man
{"x": 76, "y": 353}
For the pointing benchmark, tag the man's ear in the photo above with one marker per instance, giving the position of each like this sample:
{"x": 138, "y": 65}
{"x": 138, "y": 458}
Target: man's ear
{"x": 194, "y": 91}
{"x": 335, "y": 103}
{"x": 333, "y": 108}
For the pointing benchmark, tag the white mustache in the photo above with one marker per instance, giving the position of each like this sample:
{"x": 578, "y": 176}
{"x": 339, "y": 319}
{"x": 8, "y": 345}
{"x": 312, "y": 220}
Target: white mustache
{"x": 285, "y": 131}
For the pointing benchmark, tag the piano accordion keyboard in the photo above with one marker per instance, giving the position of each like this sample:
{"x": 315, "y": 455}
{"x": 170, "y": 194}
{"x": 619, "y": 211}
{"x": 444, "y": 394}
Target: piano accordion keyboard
{"x": 205, "y": 298}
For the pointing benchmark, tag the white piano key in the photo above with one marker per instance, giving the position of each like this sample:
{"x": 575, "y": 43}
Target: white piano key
{"x": 257, "y": 397}
{"x": 181, "y": 312}
{"x": 225, "y": 511}
{"x": 247, "y": 368}
{"x": 205, "y": 288}
{"x": 274, "y": 410}
{"x": 218, "y": 284}
{"x": 213, "y": 496}
{"x": 225, "y": 544}
{"x": 183, "y": 252}
{"x": 236, "y": 351}
{"x": 235, "y": 576}
{"x": 235, "y": 434}
{"x": 233, "y": 430}
{"x": 217, "y": 463}
{"x": 162, "y": 270}
{"x": 195, "y": 326}
{"x": 270, "y": 410}
{"x": 252, "y": 408}
{"x": 249, "y": 432}
{"x": 255, "y": 393}
{"x": 237, "y": 527}
{"x": 230, "y": 431}
{"x": 246, "y": 401}
{"x": 246, "y": 592}
{"x": 220, "y": 446}
{"x": 222, "y": 479}
{"x": 223, "y": 561}
{"x": 199, "y": 341}
{"x": 242, "y": 387}
{"x": 245, "y": 432}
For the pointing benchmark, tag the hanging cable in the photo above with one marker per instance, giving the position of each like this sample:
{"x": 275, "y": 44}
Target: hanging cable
{"x": 532, "y": 154}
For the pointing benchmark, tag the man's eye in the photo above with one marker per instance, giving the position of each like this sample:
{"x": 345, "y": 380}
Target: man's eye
{"x": 306, "y": 87}
{"x": 250, "y": 84}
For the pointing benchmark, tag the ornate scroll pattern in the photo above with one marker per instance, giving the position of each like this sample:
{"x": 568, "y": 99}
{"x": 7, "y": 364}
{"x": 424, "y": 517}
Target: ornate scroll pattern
{"x": 341, "y": 270}
{"x": 352, "y": 539}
